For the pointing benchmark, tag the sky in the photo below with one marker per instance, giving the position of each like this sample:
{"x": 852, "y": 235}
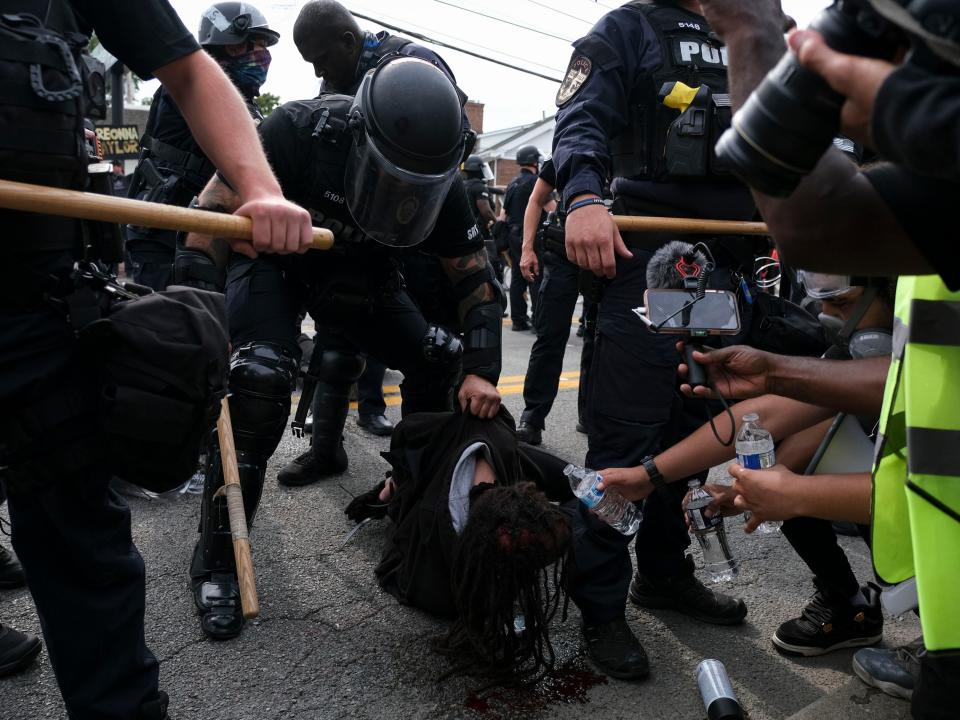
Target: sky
{"x": 510, "y": 97}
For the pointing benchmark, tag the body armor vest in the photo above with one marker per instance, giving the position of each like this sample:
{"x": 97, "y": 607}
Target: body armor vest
{"x": 664, "y": 143}
{"x": 323, "y": 134}
{"x": 48, "y": 83}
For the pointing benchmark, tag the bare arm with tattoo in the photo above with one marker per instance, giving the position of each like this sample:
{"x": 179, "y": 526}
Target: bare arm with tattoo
{"x": 216, "y": 196}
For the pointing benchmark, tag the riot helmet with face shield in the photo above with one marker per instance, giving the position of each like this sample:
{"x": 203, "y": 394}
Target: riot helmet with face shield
{"x": 408, "y": 141}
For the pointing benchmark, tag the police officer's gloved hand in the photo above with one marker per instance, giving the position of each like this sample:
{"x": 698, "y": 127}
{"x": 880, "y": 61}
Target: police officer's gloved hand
{"x": 368, "y": 505}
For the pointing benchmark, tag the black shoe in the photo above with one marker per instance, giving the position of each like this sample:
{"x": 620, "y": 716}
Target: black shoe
{"x": 829, "y": 622}
{"x": 17, "y": 650}
{"x": 376, "y": 424}
{"x": 155, "y": 709}
{"x": 11, "y": 573}
{"x": 529, "y": 434}
{"x": 521, "y": 325}
{"x": 685, "y": 594}
{"x": 615, "y": 650}
{"x": 306, "y": 469}
{"x": 218, "y": 600}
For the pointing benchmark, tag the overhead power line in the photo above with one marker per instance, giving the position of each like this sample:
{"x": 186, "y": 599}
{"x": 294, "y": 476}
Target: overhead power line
{"x": 439, "y": 43}
{"x": 559, "y": 12}
{"x": 503, "y": 21}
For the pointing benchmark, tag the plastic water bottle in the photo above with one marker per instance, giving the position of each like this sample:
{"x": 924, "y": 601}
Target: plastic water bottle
{"x": 755, "y": 451}
{"x": 609, "y": 505}
{"x": 718, "y": 697}
{"x": 718, "y": 561}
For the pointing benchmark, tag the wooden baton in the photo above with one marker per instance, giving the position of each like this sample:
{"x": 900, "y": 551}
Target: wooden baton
{"x": 633, "y": 223}
{"x": 238, "y": 518}
{"x": 105, "y": 208}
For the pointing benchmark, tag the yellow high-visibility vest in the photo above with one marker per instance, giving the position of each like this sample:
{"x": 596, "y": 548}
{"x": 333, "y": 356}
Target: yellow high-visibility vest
{"x": 916, "y": 472}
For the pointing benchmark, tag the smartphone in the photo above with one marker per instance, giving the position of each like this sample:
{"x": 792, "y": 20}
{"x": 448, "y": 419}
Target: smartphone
{"x": 678, "y": 312}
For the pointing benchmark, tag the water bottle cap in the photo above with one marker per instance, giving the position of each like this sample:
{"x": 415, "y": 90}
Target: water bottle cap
{"x": 751, "y": 417}
{"x": 693, "y": 484}
{"x": 569, "y": 469}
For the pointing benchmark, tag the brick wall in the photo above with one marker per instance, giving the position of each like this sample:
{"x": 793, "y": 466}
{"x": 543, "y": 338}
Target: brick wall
{"x": 507, "y": 170}
{"x": 475, "y": 115}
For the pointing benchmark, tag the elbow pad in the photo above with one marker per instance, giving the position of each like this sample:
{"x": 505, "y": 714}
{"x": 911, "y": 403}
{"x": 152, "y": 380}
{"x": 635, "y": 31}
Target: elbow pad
{"x": 482, "y": 347}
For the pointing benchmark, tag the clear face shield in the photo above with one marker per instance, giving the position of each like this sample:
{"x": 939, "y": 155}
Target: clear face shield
{"x": 395, "y": 207}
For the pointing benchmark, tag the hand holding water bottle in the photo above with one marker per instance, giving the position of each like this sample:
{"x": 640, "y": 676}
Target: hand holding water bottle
{"x": 772, "y": 494}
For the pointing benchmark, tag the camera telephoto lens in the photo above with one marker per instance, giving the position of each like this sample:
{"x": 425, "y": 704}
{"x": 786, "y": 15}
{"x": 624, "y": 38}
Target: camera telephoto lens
{"x": 789, "y": 121}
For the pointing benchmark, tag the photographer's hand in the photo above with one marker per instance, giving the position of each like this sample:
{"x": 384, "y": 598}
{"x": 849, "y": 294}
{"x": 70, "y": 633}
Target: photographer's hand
{"x": 856, "y": 78}
{"x": 736, "y": 372}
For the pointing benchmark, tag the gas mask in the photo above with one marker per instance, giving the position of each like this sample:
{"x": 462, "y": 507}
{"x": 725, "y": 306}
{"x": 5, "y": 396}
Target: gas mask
{"x": 860, "y": 344}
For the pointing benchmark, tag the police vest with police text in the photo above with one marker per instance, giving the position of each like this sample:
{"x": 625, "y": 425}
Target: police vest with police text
{"x": 916, "y": 474}
{"x": 662, "y": 143}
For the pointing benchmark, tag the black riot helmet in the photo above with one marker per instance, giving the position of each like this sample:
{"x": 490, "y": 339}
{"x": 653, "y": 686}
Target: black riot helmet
{"x": 473, "y": 164}
{"x": 408, "y": 143}
{"x": 528, "y": 155}
{"x": 231, "y": 23}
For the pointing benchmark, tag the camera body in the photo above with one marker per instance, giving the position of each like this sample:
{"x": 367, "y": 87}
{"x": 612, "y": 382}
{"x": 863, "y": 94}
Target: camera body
{"x": 790, "y": 120}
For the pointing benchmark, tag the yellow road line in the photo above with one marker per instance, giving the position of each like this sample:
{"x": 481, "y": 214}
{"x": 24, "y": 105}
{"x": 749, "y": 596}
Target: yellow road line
{"x": 568, "y": 381}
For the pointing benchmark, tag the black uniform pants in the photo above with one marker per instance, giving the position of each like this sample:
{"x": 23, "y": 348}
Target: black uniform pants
{"x": 518, "y": 286}
{"x": 264, "y": 301}
{"x": 370, "y": 400}
{"x": 73, "y": 537}
{"x": 816, "y": 544}
{"x": 559, "y": 290}
{"x": 149, "y": 257}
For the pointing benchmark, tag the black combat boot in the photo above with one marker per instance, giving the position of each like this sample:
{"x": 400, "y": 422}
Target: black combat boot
{"x": 17, "y": 650}
{"x": 530, "y": 434}
{"x": 686, "y": 594}
{"x": 155, "y": 709}
{"x": 615, "y": 650}
{"x": 11, "y": 573}
{"x": 306, "y": 468}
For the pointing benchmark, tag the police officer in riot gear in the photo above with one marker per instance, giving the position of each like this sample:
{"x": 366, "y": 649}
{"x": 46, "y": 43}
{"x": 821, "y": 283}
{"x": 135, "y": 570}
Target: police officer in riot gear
{"x": 643, "y": 100}
{"x": 475, "y": 173}
{"x": 382, "y": 174}
{"x": 173, "y": 167}
{"x": 514, "y": 206}
{"x": 71, "y": 532}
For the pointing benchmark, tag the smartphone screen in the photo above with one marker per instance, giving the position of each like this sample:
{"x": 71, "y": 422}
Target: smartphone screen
{"x": 714, "y": 314}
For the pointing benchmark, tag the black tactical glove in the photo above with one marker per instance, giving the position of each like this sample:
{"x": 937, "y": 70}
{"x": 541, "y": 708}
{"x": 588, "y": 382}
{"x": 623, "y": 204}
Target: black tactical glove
{"x": 368, "y": 505}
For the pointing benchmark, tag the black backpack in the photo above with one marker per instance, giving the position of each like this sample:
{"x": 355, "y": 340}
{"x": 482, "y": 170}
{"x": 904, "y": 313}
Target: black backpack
{"x": 162, "y": 362}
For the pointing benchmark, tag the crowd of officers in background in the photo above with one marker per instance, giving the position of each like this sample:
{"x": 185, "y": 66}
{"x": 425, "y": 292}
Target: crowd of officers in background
{"x": 648, "y": 93}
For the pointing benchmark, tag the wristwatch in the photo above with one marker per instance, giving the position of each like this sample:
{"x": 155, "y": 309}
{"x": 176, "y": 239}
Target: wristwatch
{"x": 653, "y": 473}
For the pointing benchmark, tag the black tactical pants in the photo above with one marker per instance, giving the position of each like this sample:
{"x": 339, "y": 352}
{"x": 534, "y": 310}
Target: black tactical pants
{"x": 518, "y": 286}
{"x": 149, "y": 257}
{"x": 557, "y": 301}
{"x": 73, "y": 536}
{"x": 264, "y": 300}
{"x": 370, "y": 400}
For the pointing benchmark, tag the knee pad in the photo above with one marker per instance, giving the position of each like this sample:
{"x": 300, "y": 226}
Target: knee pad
{"x": 261, "y": 379}
{"x": 339, "y": 366}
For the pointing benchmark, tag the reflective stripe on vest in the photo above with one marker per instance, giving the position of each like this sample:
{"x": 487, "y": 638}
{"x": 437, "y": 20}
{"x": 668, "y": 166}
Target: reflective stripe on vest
{"x": 919, "y": 448}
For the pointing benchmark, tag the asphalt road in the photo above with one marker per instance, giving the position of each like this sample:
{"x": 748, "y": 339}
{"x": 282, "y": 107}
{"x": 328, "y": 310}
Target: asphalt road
{"x": 330, "y": 644}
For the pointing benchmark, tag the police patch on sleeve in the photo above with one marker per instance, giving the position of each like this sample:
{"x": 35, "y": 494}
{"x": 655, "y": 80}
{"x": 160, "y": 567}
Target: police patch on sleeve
{"x": 577, "y": 74}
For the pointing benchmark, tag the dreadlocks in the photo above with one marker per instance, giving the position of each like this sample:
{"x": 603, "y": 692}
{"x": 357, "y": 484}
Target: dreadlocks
{"x": 511, "y": 558}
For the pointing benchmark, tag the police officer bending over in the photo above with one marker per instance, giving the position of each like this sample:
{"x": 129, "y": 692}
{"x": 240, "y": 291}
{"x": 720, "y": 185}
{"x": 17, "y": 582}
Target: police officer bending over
{"x": 380, "y": 170}
{"x": 620, "y": 117}
{"x": 70, "y": 531}
{"x": 173, "y": 167}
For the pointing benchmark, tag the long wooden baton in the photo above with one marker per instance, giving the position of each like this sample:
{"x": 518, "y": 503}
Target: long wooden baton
{"x": 238, "y": 518}
{"x": 633, "y": 223}
{"x": 90, "y": 206}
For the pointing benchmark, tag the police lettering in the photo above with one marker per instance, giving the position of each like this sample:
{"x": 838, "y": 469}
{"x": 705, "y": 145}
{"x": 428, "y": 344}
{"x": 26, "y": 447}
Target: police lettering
{"x": 705, "y": 51}
{"x": 344, "y": 233}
